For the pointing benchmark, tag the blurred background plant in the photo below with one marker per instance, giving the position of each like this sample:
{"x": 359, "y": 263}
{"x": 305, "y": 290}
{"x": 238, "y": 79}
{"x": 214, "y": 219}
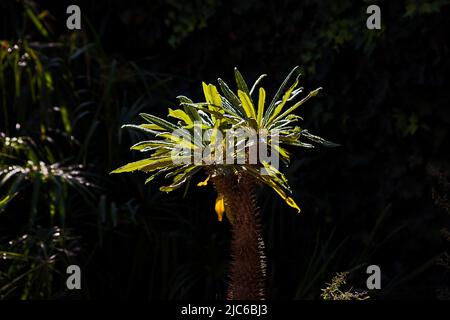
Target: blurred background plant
{"x": 64, "y": 95}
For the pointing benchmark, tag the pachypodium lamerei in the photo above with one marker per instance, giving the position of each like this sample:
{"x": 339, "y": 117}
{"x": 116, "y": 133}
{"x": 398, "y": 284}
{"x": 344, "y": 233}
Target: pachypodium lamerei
{"x": 230, "y": 137}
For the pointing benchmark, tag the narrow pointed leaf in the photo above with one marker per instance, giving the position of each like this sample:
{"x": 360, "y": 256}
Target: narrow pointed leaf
{"x": 252, "y": 90}
{"x": 261, "y": 101}
{"x": 279, "y": 93}
{"x": 159, "y": 122}
{"x": 247, "y": 104}
{"x": 181, "y": 115}
{"x": 280, "y": 106}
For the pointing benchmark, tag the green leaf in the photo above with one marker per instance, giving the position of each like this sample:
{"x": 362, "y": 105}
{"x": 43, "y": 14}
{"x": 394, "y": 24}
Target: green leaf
{"x": 296, "y": 143}
{"x": 276, "y": 175}
{"x": 213, "y": 99}
{"x": 318, "y": 139}
{"x": 199, "y": 106}
{"x": 189, "y": 109}
{"x": 283, "y": 152}
{"x": 278, "y": 94}
{"x": 65, "y": 119}
{"x": 183, "y": 168}
{"x": 181, "y": 115}
{"x": 180, "y": 179}
{"x": 143, "y": 145}
{"x": 212, "y": 95}
{"x": 4, "y": 202}
{"x": 143, "y": 127}
{"x": 184, "y": 141}
{"x": 230, "y": 109}
{"x": 256, "y": 83}
{"x": 261, "y": 101}
{"x": 271, "y": 183}
{"x": 132, "y": 166}
{"x": 298, "y": 104}
{"x": 157, "y": 173}
{"x": 247, "y": 104}
{"x": 144, "y": 165}
{"x": 280, "y": 106}
{"x": 184, "y": 99}
{"x": 36, "y": 21}
{"x": 231, "y": 97}
{"x": 240, "y": 82}
{"x": 159, "y": 122}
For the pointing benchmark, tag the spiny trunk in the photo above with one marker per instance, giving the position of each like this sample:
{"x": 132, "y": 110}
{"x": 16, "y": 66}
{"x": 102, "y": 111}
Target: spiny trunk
{"x": 248, "y": 265}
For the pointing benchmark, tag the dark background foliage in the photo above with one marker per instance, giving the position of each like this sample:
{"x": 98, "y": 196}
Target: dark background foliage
{"x": 370, "y": 201}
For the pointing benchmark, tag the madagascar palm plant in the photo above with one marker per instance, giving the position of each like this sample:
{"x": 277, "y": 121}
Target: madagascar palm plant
{"x": 229, "y": 136}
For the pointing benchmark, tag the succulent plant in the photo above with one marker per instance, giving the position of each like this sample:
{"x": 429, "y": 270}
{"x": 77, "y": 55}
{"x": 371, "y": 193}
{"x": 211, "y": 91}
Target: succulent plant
{"x": 229, "y": 136}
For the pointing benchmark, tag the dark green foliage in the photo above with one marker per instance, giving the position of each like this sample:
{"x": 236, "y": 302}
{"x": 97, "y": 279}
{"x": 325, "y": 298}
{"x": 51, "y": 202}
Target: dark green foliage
{"x": 34, "y": 264}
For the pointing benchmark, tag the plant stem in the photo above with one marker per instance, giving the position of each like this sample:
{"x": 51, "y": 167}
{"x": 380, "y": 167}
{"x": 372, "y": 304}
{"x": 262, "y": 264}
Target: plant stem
{"x": 248, "y": 265}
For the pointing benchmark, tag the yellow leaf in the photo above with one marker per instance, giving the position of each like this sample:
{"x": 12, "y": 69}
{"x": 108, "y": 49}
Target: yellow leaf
{"x": 181, "y": 141}
{"x": 269, "y": 180}
{"x": 292, "y": 203}
{"x": 206, "y": 92}
{"x": 213, "y": 98}
{"x": 283, "y": 152}
{"x": 261, "y": 101}
{"x": 137, "y": 165}
{"x": 282, "y": 194}
{"x": 203, "y": 183}
{"x": 148, "y": 164}
{"x": 180, "y": 114}
{"x": 286, "y": 96}
{"x": 151, "y": 126}
{"x": 247, "y": 104}
{"x": 216, "y": 100}
{"x": 220, "y": 207}
{"x": 298, "y": 104}
{"x": 212, "y": 95}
